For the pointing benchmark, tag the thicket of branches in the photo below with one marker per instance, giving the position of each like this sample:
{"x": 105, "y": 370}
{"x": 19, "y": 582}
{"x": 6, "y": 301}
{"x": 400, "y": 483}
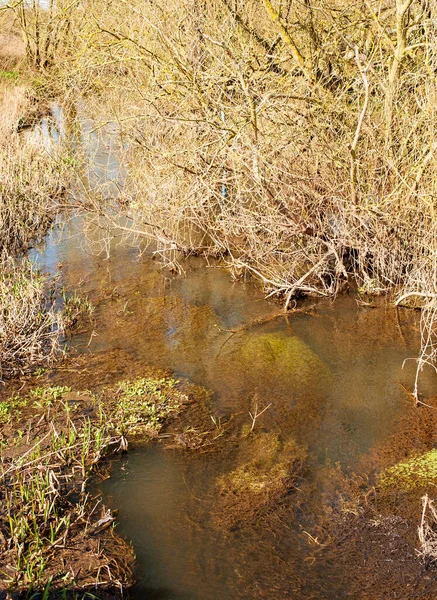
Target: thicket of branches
{"x": 296, "y": 138}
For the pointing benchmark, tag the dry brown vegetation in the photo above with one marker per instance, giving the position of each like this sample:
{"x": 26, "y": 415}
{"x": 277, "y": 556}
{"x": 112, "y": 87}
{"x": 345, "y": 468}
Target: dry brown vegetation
{"x": 30, "y": 328}
{"x": 294, "y": 138}
{"x": 32, "y": 178}
{"x": 32, "y": 183}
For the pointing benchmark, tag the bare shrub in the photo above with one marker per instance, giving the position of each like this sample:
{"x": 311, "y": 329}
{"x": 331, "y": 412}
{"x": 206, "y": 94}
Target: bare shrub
{"x": 306, "y": 167}
{"x": 44, "y": 28}
{"x": 296, "y": 140}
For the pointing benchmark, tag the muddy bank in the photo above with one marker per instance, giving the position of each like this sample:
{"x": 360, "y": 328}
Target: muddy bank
{"x": 55, "y": 537}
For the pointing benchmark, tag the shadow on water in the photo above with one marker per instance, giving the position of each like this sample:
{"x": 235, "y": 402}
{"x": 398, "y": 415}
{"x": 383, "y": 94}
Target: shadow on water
{"x": 331, "y": 376}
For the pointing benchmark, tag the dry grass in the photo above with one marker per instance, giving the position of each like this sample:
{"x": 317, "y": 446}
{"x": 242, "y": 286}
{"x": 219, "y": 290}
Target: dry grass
{"x": 32, "y": 178}
{"x": 12, "y": 51}
{"x": 12, "y": 46}
{"x": 32, "y": 184}
{"x": 30, "y": 327}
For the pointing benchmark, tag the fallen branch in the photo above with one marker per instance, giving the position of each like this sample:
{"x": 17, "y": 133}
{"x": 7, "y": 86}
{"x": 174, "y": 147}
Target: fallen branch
{"x": 418, "y": 294}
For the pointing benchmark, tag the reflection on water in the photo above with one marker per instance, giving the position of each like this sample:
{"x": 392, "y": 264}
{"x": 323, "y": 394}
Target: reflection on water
{"x": 331, "y": 376}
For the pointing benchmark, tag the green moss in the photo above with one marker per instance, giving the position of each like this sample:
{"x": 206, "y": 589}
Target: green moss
{"x": 273, "y": 466}
{"x": 278, "y": 359}
{"x": 416, "y": 472}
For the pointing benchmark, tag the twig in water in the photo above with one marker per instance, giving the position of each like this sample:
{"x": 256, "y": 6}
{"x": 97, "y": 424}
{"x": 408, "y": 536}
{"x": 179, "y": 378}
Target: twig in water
{"x": 257, "y": 414}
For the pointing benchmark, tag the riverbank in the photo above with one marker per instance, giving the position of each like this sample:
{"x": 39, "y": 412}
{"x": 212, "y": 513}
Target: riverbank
{"x": 56, "y": 537}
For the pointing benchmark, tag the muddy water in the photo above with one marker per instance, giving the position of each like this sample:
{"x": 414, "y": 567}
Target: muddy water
{"x": 329, "y": 374}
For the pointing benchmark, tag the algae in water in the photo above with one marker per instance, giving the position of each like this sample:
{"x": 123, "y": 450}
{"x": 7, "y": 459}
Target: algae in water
{"x": 416, "y": 472}
{"x": 275, "y": 360}
{"x": 259, "y": 483}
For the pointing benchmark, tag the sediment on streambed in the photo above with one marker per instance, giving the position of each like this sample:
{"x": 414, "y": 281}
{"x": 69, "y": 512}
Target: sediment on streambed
{"x": 255, "y": 487}
{"x": 376, "y": 532}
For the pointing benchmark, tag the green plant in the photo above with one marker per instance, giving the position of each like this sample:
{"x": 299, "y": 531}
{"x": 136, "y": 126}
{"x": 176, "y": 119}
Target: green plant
{"x": 144, "y": 403}
{"x": 11, "y": 407}
{"x": 75, "y": 309}
{"x": 11, "y": 75}
{"x": 46, "y": 396}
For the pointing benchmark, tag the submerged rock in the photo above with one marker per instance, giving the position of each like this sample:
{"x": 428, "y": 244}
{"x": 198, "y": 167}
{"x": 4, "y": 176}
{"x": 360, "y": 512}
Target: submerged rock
{"x": 287, "y": 356}
{"x": 279, "y": 360}
{"x": 418, "y": 471}
{"x": 279, "y": 369}
{"x": 258, "y": 484}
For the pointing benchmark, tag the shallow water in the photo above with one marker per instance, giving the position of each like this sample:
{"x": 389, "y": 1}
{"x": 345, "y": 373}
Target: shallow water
{"x": 333, "y": 386}
{"x": 331, "y": 374}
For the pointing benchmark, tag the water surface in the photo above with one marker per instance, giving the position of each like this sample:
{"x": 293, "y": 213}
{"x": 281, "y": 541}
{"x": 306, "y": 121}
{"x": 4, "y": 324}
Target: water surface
{"x": 330, "y": 374}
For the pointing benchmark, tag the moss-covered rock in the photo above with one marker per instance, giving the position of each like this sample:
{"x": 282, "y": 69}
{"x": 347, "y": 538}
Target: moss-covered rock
{"x": 288, "y": 355}
{"x": 278, "y": 359}
{"x": 256, "y": 485}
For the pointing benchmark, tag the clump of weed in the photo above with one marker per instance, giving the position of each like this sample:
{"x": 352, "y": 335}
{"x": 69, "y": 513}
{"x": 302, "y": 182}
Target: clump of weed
{"x": 77, "y": 310}
{"x": 46, "y": 510}
{"x": 47, "y": 396}
{"x": 47, "y": 518}
{"x": 11, "y": 407}
{"x": 9, "y": 75}
{"x": 144, "y": 404}
{"x": 33, "y": 182}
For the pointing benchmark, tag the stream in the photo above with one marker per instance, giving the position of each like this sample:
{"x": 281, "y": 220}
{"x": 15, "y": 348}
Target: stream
{"x": 329, "y": 374}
